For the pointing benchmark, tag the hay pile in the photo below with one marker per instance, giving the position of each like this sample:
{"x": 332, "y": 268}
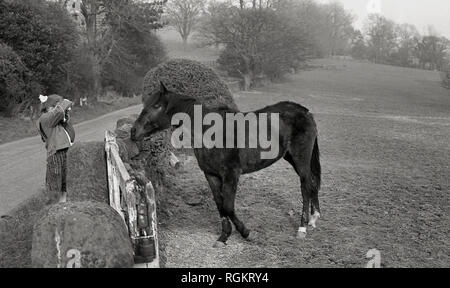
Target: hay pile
{"x": 93, "y": 230}
{"x": 148, "y": 159}
{"x": 86, "y": 173}
{"x": 86, "y": 181}
{"x": 190, "y": 78}
{"x": 16, "y": 230}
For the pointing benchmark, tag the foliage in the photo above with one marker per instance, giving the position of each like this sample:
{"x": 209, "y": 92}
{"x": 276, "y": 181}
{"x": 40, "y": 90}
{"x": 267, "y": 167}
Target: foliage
{"x": 44, "y": 37}
{"x": 406, "y": 43}
{"x": 120, "y": 41}
{"x": 386, "y": 42}
{"x": 381, "y": 38}
{"x": 184, "y": 15}
{"x": 431, "y": 50}
{"x": 358, "y": 46}
{"x": 15, "y": 80}
{"x": 335, "y": 29}
{"x": 134, "y": 49}
{"x": 113, "y": 46}
{"x": 257, "y": 41}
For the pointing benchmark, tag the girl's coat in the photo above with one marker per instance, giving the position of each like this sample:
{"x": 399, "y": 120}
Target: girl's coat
{"x": 56, "y": 133}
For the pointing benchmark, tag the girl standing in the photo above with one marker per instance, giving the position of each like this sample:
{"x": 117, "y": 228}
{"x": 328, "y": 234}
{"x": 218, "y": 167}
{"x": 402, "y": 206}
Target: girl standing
{"x": 58, "y": 135}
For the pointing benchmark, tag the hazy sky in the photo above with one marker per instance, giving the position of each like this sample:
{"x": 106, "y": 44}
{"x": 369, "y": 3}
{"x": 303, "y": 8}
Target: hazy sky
{"x": 421, "y": 13}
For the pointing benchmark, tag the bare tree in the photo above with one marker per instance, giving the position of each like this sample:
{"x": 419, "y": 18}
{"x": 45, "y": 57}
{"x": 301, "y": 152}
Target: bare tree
{"x": 406, "y": 37}
{"x": 338, "y": 27}
{"x": 257, "y": 42}
{"x": 431, "y": 51}
{"x": 184, "y": 15}
{"x": 381, "y": 37}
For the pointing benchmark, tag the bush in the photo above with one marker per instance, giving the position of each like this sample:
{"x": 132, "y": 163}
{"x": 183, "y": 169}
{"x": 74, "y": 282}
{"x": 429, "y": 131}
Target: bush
{"x": 125, "y": 69}
{"x": 446, "y": 77}
{"x": 80, "y": 76}
{"x": 192, "y": 79}
{"x": 44, "y": 36}
{"x": 15, "y": 80}
{"x": 129, "y": 46}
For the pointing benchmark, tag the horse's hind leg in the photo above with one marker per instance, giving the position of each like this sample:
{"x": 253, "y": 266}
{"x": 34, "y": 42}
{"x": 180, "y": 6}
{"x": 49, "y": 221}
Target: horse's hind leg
{"x": 230, "y": 183}
{"x": 315, "y": 209}
{"x": 216, "y": 185}
{"x": 306, "y": 185}
{"x": 316, "y": 179}
{"x": 300, "y": 160}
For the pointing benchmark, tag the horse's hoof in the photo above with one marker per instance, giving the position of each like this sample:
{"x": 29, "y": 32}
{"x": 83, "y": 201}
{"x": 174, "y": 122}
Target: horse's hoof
{"x": 313, "y": 219}
{"x": 301, "y": 234}
{"x": 219, "y": 244}
{"x": 245, "y": 234}
{"x": 252, "y": 236}
{"x": 63, "y": 198}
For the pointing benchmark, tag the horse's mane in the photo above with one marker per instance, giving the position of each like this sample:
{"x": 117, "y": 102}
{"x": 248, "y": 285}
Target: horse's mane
{"x": 186, "y": 103}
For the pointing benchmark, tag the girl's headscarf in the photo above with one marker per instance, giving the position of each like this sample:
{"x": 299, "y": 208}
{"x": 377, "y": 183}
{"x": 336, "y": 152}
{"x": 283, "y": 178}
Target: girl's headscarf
{"x": 49, "y": 101}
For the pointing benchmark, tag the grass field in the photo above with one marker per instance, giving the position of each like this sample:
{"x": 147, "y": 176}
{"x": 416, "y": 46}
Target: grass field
{"x": 193, "y": 51}
{"x": 384, "y": 135}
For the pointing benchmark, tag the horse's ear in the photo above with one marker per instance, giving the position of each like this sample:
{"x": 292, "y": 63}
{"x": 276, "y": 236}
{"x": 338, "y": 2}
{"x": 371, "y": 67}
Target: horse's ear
{"x": 175, "y": 103}
{"x": 162, "y": 88}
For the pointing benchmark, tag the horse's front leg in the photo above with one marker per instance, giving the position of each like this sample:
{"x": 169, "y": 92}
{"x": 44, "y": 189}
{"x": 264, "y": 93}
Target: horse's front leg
{"x": 215, "y": 183}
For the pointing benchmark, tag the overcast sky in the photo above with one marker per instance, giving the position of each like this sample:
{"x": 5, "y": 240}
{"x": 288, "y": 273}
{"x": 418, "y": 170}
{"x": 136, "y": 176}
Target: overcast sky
{"x": 421, "y": 13}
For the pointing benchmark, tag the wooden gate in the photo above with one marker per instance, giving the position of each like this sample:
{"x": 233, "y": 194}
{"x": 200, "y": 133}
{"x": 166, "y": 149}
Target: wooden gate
{"x": 135, "y": 204}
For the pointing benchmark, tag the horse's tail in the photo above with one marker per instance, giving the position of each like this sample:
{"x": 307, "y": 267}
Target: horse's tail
{"x": 316, "y": 169}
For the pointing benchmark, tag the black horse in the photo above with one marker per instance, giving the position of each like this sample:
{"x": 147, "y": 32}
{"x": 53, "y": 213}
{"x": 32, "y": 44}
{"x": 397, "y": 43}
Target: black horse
{"x": 223, "y": 166}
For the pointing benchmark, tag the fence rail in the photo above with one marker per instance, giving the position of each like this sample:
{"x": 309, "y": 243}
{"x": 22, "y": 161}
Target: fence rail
{"x": 135, "y": 204}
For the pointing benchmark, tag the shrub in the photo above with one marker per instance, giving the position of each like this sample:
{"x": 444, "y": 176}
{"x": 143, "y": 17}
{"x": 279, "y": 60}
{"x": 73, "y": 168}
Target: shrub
{"x": 15, "y": 80}
{"x": 446, "y": 77}
{"x": 190, "y": 78}
{"x": 135, "y": 51}
{"x": 43, "y": 35}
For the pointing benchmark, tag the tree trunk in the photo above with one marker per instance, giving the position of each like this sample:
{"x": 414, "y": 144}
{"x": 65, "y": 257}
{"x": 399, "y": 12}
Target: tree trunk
{"x": 90, "y": 16}
{"x": 185, "y": 41}
{"x": 96, "y": 67}
{"x": 247, "y": 81}
{"x": 247, "y": 75}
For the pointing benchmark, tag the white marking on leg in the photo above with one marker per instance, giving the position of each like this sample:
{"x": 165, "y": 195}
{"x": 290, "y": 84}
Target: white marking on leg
{"x": 314, "y": 218}
{"x": 302, "y": 230}
{"x": 301, "y": 234}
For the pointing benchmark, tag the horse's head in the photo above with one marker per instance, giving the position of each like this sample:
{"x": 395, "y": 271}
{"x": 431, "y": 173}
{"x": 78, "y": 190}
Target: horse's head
{"x": 153, "y": 117}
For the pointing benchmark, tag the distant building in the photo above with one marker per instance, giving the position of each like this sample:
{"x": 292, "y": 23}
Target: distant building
{"x": 74, "y": 9}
